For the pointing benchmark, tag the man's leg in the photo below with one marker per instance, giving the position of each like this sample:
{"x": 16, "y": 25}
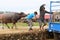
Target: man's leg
{"x": 40, "y": 23}
{"x": 30, "y": 24}
{"x": 45, "y": 23}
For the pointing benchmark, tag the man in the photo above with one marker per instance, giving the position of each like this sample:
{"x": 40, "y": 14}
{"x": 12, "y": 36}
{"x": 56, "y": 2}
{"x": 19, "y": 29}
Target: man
{"x": 42, "y": 21}
{"x": 29, "y": 18}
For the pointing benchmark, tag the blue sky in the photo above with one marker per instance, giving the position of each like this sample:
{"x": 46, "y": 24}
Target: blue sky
{"x": 26, "y": 6}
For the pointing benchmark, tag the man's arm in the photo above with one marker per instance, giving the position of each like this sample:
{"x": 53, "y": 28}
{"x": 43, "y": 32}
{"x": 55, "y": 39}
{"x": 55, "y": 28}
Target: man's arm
{"x": 48, "y": 12}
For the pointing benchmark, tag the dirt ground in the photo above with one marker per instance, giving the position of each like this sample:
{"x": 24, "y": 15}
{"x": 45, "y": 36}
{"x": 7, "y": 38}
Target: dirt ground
{"x": 19, "y": 30}
{"x": 21, "y": 33}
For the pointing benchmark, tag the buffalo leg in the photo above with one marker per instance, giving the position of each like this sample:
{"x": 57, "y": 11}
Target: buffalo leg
{"x": 7, "y": 25}
{"x": 14, "y": 24}
{"x": 3, "y": 26}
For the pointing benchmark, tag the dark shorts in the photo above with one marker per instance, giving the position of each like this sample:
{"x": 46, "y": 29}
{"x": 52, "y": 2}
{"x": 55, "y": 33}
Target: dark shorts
{"x": 41, "y": 21}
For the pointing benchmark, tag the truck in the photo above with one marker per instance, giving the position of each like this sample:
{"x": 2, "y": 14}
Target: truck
{"x": 53, "y": 29}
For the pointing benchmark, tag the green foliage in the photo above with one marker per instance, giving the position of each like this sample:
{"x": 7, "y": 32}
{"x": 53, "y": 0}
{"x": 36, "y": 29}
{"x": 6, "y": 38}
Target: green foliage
{"x": 21, "y": 24}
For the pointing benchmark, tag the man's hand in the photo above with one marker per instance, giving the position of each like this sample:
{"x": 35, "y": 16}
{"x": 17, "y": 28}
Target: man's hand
{"x": 54, "y": 13}
{"x": 34, "y": 18}
{"x": 53, "y": 16}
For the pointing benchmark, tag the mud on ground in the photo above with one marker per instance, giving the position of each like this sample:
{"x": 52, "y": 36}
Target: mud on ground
{"x": 20, "y": 34}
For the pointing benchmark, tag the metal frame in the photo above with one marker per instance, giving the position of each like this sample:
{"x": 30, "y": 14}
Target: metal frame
{"x": 51, "y": 2}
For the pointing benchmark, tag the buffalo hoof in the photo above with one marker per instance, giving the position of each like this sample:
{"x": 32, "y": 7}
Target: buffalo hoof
{"x": 8, "y": 28}
{"x": 30, "y": 29}
{"x": 2, "y": 27}
{"x": 11, "y": 27}
{"x": 16, "y": 28}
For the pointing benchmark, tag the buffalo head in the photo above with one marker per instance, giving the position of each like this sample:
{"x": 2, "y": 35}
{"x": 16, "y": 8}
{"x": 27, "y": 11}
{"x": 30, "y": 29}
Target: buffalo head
{"x": 22, "y": 14}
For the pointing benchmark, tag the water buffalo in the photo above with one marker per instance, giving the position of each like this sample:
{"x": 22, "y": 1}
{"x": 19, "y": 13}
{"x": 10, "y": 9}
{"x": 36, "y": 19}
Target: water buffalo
{"x": 11, "y": 18}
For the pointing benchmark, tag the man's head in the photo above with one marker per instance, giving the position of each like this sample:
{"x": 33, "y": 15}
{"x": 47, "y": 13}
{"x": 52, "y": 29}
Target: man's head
{"x": 35, "y": 13}
{"x": 42, "y": 8}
